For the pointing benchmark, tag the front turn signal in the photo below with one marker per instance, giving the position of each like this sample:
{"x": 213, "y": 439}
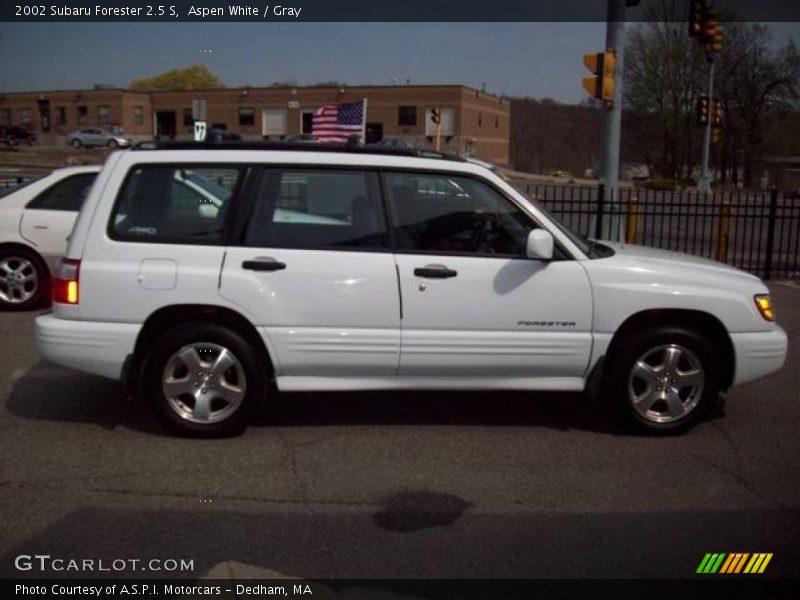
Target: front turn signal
{"x": 764, "y": 305}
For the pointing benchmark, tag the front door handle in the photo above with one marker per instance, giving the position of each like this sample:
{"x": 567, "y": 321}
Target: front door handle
{"x": 435, "y": 272}
{"x": 263, "y": 264}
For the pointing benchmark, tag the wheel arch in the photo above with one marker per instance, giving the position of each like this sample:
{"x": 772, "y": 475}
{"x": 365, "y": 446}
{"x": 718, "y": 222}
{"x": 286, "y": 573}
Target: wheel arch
{"x": 701, "y": 322}
{"x": 180, "y": 314}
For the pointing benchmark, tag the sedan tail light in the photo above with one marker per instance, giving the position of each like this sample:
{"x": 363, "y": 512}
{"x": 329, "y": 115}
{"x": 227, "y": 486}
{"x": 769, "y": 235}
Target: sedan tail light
{"x": 66, "y": 286}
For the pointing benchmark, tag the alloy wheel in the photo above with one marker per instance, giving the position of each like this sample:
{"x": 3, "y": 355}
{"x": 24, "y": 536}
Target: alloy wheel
{"x": 666, "y": 383}
{"x": 204, "y": 383}
{"x": 19, "y": 281}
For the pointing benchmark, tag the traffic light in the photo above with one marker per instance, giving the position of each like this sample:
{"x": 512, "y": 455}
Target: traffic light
{"x": 702, "y": 110}
{"x": 716, "y": 115}
{"x": 436, "y": 115}
{"x": 712, "y": 34}
{"x": 601, "y": 86}
{"x": 715, "y": 42}
{"x": 715, "y": 135}
{"x": 697, "y": 10}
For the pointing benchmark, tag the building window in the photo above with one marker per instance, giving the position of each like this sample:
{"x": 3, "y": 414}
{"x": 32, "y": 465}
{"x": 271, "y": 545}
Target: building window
{"x": 480, "y": 119}
{"x": 25, "y": 116}
{"x": 83, "y": 115}
{"x": 61, "y": 115}
{"x": 138, "y": 115}
{"x": 5, "y": 117}
{"x": 407, "y": 115}
{"x": 247, "y": 116}
{"x": 496, "y": 121}
{"x": 188, "y": 117}
{"x": 102, "y": 115}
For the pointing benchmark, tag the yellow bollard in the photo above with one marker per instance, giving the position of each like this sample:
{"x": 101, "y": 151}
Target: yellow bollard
{"x": 723, "y": 231}
{"x": 632, "y": 224}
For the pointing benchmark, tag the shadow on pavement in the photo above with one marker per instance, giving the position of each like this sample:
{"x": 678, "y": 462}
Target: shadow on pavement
{"x": 51, "y": 393}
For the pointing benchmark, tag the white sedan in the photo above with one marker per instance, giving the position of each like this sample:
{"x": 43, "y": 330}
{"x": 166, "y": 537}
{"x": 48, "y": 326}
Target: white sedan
{"x": 36, "y": 219}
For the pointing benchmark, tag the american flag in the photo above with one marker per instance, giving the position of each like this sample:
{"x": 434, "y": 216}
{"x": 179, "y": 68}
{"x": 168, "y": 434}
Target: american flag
{"x": 337, "y": 122}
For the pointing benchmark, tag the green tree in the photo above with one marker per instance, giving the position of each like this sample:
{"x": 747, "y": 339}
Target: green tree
{"x": 195, "y": 77}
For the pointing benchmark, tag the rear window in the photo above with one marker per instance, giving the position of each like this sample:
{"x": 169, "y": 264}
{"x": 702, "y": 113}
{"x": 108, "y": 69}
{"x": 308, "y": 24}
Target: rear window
{"x": 174, "y": 204}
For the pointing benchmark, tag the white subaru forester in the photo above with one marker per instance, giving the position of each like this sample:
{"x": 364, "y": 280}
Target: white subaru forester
{"x": 198, "y": 275}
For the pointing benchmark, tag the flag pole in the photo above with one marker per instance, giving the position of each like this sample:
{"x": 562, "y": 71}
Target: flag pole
{"x": 364, "y": 124}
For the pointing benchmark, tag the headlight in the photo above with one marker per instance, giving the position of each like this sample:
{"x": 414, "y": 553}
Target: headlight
{"x": 764, "y": 305}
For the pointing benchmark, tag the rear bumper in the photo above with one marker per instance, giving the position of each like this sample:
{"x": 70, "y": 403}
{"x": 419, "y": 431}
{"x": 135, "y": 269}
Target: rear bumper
{"x": 758, "y": 354}
{"x": 95, "y": 347}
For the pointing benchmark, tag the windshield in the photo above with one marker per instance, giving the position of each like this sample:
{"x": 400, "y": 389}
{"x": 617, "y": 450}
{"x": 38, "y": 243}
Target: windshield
{"x": 14, "y": 188}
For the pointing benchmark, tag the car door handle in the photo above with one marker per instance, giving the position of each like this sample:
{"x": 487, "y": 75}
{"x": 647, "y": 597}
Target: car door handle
{"x": 40, "y": 227}
{"x": 435, "y": 272}
{"x": 263, "y": 264}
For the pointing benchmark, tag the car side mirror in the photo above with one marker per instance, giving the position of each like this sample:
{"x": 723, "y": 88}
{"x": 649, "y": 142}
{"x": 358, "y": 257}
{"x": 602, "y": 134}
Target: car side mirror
{"x": 540, "y": 245}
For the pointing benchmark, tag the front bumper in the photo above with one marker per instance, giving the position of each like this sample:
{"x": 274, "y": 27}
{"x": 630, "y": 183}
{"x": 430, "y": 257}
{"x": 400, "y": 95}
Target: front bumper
{"x": 758, "y": 354}
{"x": 95, "y": 347}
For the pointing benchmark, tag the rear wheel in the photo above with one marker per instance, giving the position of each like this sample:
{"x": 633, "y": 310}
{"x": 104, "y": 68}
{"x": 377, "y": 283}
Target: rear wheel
{"x": 664, "y": 380}
{"x": 11, "y": 140}
{"x": 205, "y": 379}
{"x": 112, "y": 143}
{"x": 24, "y": 279}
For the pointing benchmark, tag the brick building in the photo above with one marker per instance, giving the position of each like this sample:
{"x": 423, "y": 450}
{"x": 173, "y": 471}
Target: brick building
{"x": 473, "y": 122}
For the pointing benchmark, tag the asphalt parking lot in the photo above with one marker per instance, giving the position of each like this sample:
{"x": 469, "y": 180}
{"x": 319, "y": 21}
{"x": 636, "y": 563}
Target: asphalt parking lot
{"x": 396, "y": 485}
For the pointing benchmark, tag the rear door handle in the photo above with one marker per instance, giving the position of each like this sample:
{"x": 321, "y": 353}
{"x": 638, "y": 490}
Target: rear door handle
{"x": 435, "y": 272}
{"x": 263, "y": 264}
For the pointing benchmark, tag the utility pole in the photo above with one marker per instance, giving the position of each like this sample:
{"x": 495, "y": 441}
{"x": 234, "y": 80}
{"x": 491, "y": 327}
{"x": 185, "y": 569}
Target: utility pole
{"x": 612, "y": 121}
{"x": 704, "y": 183}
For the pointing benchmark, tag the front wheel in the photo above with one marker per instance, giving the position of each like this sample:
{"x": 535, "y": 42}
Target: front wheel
{"x": 205, "y": 379}
{"x": 112, "y": 144}
{"x": 663, "y": 381}
{"x": 76, "y": 143}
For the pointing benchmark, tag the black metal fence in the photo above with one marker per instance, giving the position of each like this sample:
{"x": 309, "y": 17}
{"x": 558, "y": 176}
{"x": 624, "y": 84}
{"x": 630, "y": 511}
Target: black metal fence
{"x": 757, "y": 232}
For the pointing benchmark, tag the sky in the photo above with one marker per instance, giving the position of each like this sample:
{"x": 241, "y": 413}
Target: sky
{"x": 519, "y": 59}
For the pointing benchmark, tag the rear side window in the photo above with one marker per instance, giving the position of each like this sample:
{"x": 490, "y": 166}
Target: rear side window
{"x": 67, "y": 194}
{"x": 174, "y": 204}
{"x": 313, "y": 208}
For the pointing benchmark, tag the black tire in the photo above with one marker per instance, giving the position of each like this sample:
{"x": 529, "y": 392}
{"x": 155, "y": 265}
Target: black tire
{"x": 12, "y": 141}
{"x": 202, "y": 334}
{"x": 621, "y": 385}
{"x": 41, "y": 295}
{"x": 112, "y": 144}
{"x": 76, "y": 143}
{"x": 31, "y": 141}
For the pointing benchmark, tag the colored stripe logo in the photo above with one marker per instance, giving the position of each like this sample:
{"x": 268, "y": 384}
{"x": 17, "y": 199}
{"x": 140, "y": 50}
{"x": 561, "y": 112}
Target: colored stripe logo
{"x": 735, "y": 562}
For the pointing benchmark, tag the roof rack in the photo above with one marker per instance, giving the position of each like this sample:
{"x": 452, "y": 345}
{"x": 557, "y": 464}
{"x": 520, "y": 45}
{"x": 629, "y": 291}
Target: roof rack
{"x": 293, "y": 147}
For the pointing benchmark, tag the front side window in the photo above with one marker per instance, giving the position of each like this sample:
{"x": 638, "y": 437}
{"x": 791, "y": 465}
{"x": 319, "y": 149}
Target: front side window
{"x": 440, "y": 213}
{"x": 67, "y": 194}
{"x": 174, "y": 204}
{"x": 315, "y": 208}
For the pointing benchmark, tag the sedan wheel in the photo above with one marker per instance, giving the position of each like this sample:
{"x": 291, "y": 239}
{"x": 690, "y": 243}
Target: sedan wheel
{"x": 204, "y": 383}
{"x": 666, "y": 383}
{"x": 19, "y": 281}
{"x": 112, "y": 143}
{"x": 76, "y": 143}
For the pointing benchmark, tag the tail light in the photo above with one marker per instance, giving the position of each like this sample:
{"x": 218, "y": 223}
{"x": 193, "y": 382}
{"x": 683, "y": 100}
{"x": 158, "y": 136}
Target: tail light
{"x": 66, "y": 286}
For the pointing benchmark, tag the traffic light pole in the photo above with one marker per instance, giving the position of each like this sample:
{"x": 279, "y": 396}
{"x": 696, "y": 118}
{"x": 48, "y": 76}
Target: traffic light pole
{"x": 612, "y": 123}
{"x": 704, "y": 183}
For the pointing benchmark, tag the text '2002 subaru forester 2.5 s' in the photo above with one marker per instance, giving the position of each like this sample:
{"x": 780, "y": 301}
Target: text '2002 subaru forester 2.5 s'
{"x": 202, "y": 274}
